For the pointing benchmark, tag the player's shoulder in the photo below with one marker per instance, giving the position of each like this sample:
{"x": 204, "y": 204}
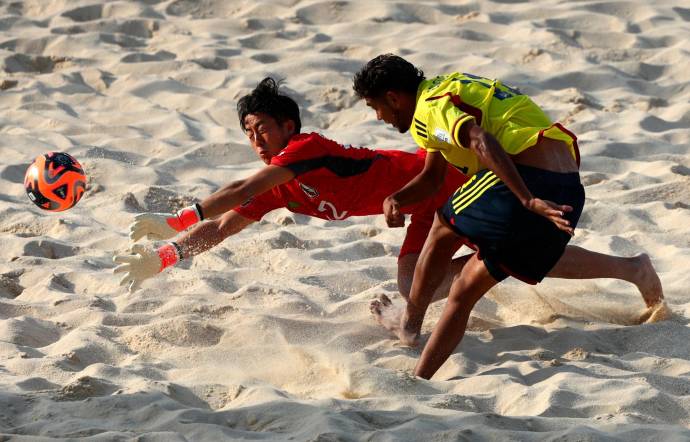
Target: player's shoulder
{"x": 311, "y": 139}
{"x": 431, "y": 91}
{"x": 439, "y": 85}
{"x": 304, "y": 143}
{"x": 304, "y": 138}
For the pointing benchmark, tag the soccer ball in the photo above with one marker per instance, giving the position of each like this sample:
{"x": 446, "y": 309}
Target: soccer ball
{"x": 55, "y": 181}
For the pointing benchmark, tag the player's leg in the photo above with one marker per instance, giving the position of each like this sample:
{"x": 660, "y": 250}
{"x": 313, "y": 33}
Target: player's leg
{"x": 382, "y": 308}
{"x": 406, "y": 266}
{"x": 474, "y": 281}
{"x": 579, "y": 263}
{"x": 433, "y": 267}
{"x": 388, "y": 314}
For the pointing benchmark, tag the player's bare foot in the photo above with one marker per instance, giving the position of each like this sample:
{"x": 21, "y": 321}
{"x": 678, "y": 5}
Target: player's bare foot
{"x": 390, "y": 317}
{"x": 655, "y": 313}
{"x": 385, "y": 313}
{"x": 647, "y": 281}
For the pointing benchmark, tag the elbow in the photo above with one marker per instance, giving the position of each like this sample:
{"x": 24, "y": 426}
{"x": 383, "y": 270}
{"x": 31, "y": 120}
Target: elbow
{"x": 486, "y": 147}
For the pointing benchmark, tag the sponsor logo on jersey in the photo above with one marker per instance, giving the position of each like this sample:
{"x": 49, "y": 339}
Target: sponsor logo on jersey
{"x": 442, "y": 135}
{"x": 309, "y": 191}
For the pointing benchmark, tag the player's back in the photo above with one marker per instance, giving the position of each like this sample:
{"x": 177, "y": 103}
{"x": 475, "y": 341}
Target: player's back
{"x": 445, "y": 103}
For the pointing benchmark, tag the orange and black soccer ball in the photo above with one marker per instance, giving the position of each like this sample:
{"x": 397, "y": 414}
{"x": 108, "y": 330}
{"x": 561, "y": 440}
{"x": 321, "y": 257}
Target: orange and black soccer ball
{"x": 55, "y": 181}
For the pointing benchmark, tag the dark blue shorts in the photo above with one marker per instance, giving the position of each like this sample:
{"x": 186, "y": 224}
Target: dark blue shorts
{"x": 510, "y": 239}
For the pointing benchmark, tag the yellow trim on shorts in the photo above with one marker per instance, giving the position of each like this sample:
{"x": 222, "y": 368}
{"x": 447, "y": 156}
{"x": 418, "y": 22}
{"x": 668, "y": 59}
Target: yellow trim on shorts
{"x": 466, "y": 198}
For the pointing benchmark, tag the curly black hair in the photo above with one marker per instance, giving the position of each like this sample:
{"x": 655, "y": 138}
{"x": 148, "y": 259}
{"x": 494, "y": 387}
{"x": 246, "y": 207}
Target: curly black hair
{"x": 385, "y": 73}
{"x": 266, "y": 98}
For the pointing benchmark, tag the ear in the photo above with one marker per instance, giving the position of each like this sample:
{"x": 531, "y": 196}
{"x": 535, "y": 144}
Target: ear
{"x": 392, "y": 98}
{"x": 289, "y": 126}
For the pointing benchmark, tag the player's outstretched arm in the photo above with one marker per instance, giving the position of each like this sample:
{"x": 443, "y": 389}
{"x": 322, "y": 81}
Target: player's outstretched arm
{"x": 158, "y": 226}
{"x": 145, "y": 262}
{"x": 237, "y": 192}
{"x": 422, "y": 186}
{"x": 492, "y": 155}
{"x": 211, "y": 233}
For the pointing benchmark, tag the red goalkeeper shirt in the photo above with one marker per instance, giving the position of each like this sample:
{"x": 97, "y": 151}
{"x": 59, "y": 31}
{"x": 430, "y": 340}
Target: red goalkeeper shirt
{"x": 335, "y": 182}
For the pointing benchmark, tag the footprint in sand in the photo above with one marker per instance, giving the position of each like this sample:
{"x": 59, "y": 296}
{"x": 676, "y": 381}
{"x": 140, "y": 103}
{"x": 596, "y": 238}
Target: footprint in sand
{"x": 9, "y": 284}
{"x": 29, "y": 332}
{"x": 49, "y": 248}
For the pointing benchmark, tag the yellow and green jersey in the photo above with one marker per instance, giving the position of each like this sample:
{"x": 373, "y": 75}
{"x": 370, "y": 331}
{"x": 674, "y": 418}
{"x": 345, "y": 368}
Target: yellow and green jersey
{"x": 446, "y": 102}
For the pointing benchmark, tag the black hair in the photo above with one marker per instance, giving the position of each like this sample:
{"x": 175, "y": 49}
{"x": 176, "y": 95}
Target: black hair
{"x": 266, "y": 98}
{"x": 385, "y": 73}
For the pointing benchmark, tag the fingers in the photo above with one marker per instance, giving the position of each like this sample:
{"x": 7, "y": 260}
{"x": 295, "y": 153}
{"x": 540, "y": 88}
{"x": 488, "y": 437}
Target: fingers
{"x": 555, "y": 213}
{"x": 394, "y": 218}
{"x": 398, "y": 221}
{"x": 126, "y": 279}
{"x": 124, "y": 259}
{"x": 136, "y": 233}
{"x": 556, "y": 216}
{"x": 144, "y": 216}
{"x": 135, "y": 285}
{"x": 146, "y": 224}
{"x": 122, "y": 268}
{"x": 391, "y": 212}
{"x": 138, "y": 248}
{"x": 564, "y": 225}
{"x": 139, "y": 228}
{"x": 128, "y": 266}
{"x": 130, "y": 280}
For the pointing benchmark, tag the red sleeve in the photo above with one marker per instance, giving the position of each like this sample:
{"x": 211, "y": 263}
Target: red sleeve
{"x": 256, "y": 207}
{"x": 300, "y": 152}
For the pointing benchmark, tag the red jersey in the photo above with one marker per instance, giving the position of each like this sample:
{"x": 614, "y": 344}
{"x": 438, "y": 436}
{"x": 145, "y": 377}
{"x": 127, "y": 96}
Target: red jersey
{"x": 335, "y": 182}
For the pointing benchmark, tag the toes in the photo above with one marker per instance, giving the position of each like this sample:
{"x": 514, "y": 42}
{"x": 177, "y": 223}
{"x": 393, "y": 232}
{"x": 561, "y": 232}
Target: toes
{"x": 655, "y": 313}
{"x": 385, "y": 300}
{"x": 375, "y": 307}
{"x": 660, "y": 312}
{"x": 644, "y": 316}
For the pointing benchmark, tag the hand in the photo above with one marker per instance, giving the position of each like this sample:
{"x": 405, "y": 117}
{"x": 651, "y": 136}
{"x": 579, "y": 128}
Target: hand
{"x": 554, "y": 212}
{"x": 158, "y": 226}
{"x": 154, "y": 226}
{"x": 143, "y": 263}
{"x": 391, "y": 211}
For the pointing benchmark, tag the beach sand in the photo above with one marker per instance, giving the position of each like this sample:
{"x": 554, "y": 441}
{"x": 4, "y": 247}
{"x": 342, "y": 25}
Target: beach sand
{"x": 268, "y": 336}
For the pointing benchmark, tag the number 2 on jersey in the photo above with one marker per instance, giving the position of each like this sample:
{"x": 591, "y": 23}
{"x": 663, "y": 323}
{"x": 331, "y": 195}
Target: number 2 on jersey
{"x": 322, "y": 208}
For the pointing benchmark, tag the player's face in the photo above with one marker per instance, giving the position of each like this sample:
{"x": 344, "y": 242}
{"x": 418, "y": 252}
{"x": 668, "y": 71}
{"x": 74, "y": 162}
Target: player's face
{"x": 390, "y": 109}
{"x": 266, "y": 135}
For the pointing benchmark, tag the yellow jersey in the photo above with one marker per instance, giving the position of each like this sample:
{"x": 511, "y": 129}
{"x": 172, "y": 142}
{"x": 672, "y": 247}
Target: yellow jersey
{"x": 446, "y": 102}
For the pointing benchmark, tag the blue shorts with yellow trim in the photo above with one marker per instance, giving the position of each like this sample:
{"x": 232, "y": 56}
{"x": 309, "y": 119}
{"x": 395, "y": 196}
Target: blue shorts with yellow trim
{"x": 512, "y": 240}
